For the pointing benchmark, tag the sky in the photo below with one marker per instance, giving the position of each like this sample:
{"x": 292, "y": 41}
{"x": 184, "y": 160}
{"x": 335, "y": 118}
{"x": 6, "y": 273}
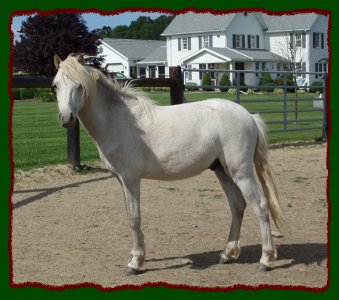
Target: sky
{"x": 94, "y": 20}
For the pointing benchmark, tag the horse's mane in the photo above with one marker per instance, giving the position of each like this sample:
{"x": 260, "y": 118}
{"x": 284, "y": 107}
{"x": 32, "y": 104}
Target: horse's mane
{"x": 88, "y": 77}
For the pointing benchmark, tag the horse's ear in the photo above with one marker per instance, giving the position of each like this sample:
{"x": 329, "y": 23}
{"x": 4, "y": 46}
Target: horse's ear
{"x": 57, "y": 61}
{"x": 81, "y": 59}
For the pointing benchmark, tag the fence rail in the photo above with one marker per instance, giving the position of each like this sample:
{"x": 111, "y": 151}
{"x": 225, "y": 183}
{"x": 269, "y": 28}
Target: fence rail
{"x": 73, "y": 133}
{"x": 177, "y": 87}
{"x": 284, "y": 101}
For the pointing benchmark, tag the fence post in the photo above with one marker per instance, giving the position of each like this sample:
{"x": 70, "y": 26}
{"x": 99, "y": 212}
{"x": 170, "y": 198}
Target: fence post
{"x": 73, "y": 144}
{"x": 238, "y": 85}
{"x": 177, "y": 94}
{"x": 325, "y": 122}
{"x": 285, "y": 101}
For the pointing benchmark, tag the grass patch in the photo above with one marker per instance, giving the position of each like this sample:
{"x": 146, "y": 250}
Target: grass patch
{"x": 39, "y": 140}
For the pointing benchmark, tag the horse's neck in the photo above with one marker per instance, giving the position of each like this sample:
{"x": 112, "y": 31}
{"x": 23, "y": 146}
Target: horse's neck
{"x": 103, "y": 116}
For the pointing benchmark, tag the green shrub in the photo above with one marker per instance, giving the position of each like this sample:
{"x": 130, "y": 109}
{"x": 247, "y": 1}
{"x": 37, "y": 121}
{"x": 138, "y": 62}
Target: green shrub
{"x": 232, "y": 91}
{"x": 266, "y": 80}
{"x": 16, "y": 94}
{"x": 191, "y": 86}
{"x": 278, "y": 91}
{"x": 206, "y": 80}
{"x": 317, "y": 86}
{"x": 224, "y": 81}
{"x": 250, "y": 91}
{"x": 45, "y": 95}
{"x": 289, "y": 81}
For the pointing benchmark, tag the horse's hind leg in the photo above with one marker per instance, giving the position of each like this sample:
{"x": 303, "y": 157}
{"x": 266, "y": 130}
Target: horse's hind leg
{"x": 245, "y": 180}
{"x": 237, "y": 206}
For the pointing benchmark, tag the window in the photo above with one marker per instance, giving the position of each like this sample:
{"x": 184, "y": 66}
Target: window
{"x": 205, "y": 41}
{"x": 298, "y": 40}
{"x": 318, "y": 40}
{"x": 253, "y": 41}
{"x": 238, "y": 41}
{"x": 320, "y": 68}
{"x": 184, "y": 43}
{"x": 161, "y": 71}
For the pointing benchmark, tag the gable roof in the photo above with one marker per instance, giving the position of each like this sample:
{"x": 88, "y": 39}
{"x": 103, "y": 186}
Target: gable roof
{"x": 229, "y": 54}
{"x": 133, "y": 49}
{"x": 298, "y": 21}
{"x": 159, "y": 55}
{"x": 193, "y": 23}
{"x": 190, "y": 22}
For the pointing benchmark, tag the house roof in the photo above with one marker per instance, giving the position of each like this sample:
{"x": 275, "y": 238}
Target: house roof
{"x": 133, "y": 49}
{"x": 229, "y": 54}
{"x": 159, "y": 55}
{"x": 289, "y": 22}
{"x": 193, "y": 22}
{"x": 205, "y": 22}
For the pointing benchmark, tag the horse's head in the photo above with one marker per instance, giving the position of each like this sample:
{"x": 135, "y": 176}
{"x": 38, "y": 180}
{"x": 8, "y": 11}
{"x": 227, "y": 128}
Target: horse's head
{"x": 69, "y": 91}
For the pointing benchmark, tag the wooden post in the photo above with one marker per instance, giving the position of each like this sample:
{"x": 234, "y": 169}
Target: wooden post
{"x": 73, "y": 145}
{"x": 177, "y": 94}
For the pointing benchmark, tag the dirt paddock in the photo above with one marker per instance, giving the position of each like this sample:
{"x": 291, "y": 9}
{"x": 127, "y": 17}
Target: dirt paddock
{"x": 71, "y": 228}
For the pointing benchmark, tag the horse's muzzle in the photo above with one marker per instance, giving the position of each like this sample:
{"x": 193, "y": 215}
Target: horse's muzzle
{"x": 67, "y": 122}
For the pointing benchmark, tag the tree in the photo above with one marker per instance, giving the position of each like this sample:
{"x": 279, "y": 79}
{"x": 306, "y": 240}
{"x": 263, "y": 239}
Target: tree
{"x": 43, "y": 36}
{"x": 292, "y": 49}
{"x": 142, "y": 28}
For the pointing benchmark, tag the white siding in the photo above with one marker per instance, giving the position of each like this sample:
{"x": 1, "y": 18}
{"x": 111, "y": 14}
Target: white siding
{"x": 117, "y": 62}
{"x": 247, "y": 25}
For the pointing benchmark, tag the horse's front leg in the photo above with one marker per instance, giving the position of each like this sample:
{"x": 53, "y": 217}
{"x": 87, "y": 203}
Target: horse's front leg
{"x": 131, "y": 189}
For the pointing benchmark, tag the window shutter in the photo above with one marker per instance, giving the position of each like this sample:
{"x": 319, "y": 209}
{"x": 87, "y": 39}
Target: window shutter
{"x": 179, "y": 44}
{"x": 234, "y": 41}
{"x": 291, "y": 40}
{"x": 189, "y": 43}
{"x": 303, "y": 69}
{"x": 210, "y": 41}
{"x": 322, "y": 41}
{"x": 258, "y": 41}
{"x": 200, "y": 42}
{"x": 303, "y": 39}
{"x": 249, "y": 41}
{"x": 313, "y": 39}
{"x": 243, "y": 41}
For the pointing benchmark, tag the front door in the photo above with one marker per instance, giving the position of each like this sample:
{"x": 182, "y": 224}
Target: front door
{"x": 240, "y": 66}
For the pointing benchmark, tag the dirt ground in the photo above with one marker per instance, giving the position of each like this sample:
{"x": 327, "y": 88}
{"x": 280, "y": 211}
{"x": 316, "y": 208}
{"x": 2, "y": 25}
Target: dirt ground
{"x": 71, "y": 228}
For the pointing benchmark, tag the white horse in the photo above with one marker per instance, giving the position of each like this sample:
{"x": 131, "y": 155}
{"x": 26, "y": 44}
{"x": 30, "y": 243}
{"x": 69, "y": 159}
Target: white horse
{"x": 138, "y": 139}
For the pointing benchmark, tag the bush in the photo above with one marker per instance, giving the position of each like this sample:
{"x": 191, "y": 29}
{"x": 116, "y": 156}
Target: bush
{"x": 278, "y": 91}
{"x": 45, "y": 95}
{"x": 224, "y": 81}
{"x": 280, "y": 81}
{"x": 206, "y": 80}
{"x": 317, "y": 86}
{"x": 232, "y": 91}
{"x": 250, "y": 91}
{"x": 191, "y": 86}
{"x": 23, "y": 93}
{"x": 266, "y": 80}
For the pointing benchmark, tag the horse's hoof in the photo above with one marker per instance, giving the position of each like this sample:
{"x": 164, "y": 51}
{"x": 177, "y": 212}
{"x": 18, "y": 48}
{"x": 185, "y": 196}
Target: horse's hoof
{"x": 129, "y": 259}
{"x": 131, "y": 271}
{"x": 263, "y": 268}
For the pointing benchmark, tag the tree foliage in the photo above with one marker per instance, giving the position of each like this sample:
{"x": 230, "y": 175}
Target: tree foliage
{"x": 143, "y": 28}
{"x": 43, "y": 36}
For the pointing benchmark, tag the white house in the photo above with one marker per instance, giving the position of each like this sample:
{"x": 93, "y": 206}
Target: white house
{"x": 247, "y": 41}
{"x": 123, "y": 55}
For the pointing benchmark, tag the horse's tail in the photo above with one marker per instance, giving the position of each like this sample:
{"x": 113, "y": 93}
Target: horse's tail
{"x": 265, "y": 176}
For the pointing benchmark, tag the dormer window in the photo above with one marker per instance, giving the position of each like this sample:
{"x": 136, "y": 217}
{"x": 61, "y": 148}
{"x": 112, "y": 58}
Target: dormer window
{"x": 238, "y": 41}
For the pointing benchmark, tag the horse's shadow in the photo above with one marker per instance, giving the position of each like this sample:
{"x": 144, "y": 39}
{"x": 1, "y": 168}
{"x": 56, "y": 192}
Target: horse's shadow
{"x": 293, "y": 254}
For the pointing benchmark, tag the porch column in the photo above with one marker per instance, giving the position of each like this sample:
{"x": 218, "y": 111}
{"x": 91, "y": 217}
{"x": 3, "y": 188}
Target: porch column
{"x": 232, "y": 75}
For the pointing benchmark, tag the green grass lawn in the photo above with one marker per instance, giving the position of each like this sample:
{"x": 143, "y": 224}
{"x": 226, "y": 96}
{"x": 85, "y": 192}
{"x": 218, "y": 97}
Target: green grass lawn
{"x": 38, "y": 138}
